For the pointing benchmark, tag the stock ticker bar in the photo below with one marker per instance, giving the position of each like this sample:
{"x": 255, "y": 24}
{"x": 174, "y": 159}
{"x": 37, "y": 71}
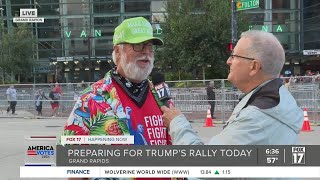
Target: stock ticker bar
{"x": 208, "y": 155}
{"x": 173, "y": 161}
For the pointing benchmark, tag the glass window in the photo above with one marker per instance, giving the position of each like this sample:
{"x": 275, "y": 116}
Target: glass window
{"x": 102, "y": 51}
{"x": 312, "y": 35}
{"x": 289, "y": 41}
{"x": 105, "y": 51}
{"x": 312, "y": 23}
{"x": 104, "y": 43}
{"x": 51, "y": 45}
{"x": 75, "y": 22}
{"x": 47, "y": 1}
{"x": 76, "y": 47}
{"x": 50, "y": 23}
{"x": 51, "y": 9}
{"x": 13, "y": 2}
{"x": 15, "y": 10}
{"x": 280, "y": 18}
{"x": 137, "y": 6}
{"x": 312, "y": 45}
{"x": 256, "y": 18}
{"x": 284, "y": 4}
{"x": 308, "y": 3}
{"x": 49, "y": 32}
{"x": 311, "y": 11}
{"x": 49, "y": 49}
{"x": 106, "y": 7}
{"x": 106, "y": 21}
{"x": 75, "y": 9}
{"x": 46, "y": 53}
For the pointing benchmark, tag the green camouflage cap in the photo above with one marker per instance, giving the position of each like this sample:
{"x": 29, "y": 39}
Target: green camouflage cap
{"x": 133, "y": 31}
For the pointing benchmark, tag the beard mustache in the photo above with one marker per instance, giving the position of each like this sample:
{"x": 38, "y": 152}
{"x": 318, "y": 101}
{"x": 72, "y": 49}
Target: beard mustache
{"x": 133, "y": 71}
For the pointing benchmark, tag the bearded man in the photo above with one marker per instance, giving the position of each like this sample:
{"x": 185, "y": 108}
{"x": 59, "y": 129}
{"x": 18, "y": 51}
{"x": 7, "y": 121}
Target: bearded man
{"x": 124, "y": 98}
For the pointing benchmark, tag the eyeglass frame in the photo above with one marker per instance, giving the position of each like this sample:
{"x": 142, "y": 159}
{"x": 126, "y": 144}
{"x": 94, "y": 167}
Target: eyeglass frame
{"x": 143, "y": 47}
{"x": 233, "y": 55}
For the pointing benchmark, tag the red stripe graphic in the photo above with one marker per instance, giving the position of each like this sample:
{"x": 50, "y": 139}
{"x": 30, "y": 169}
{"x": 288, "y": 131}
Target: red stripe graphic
{"x": 42, "y": 136}
{"x": 31, "y": 152}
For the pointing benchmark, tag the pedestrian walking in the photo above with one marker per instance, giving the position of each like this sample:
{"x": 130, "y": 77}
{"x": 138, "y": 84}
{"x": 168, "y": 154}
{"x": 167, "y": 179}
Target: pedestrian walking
{"x": 39, "y": 96}
{"x": 54, "y": 95}
{"x": 12, "y": 99}
{"x": 211, "y": 96}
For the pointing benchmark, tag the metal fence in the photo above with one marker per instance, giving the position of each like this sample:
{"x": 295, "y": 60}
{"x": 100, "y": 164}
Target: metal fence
{"x": 189, "y": 96}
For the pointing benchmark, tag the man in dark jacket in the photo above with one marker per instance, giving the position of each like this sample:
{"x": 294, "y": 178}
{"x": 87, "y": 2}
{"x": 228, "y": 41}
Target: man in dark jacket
{"x": 211, "y": 96}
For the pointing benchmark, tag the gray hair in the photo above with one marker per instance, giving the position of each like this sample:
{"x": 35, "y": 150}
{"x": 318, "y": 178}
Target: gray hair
{"x": 114, "y": 58}
{"x": 266, "y": 47}
{"x": 211, "y": 83}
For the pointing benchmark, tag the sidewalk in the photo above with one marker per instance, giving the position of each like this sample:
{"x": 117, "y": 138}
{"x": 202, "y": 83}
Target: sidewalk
{"x": 18, "y": 114}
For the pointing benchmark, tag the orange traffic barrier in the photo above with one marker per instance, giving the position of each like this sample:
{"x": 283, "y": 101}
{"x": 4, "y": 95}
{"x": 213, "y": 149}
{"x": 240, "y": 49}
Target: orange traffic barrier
{"x": 306, "y": 125}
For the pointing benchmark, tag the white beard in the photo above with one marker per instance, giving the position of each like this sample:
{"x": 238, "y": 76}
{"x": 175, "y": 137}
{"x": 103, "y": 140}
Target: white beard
{"x": 134, "y": 72}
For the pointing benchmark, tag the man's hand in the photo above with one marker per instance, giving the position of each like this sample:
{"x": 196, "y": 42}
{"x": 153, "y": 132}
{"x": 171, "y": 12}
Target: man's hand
{"x": 169, "y": 114}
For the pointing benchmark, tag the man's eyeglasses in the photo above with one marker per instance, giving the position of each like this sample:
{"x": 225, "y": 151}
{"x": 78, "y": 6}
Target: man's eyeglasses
{"x": 233, "y": 55}
{"x": 141, "y": 46}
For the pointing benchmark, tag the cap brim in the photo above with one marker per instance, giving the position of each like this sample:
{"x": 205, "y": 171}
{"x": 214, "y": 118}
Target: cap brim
{"x": 155, "y": 40}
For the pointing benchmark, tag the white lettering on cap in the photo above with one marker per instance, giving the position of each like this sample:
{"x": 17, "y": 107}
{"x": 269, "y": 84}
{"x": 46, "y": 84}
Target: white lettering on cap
{"x": 141, "y": 30}
{"x": 139, "y": 23}
{"x": 119, "y": 36}
{"x": 138, "y": 30}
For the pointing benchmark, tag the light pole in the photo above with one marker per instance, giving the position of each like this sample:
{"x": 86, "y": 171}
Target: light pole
{"x": 1, "y": 35}
{"x": 90, "y": 44}
{"x": 234, "y": 24}
{"x": 1, "y": 20}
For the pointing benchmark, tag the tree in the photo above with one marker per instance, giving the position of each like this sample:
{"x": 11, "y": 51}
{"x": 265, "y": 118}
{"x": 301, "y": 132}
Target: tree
{"x": 196, "y": 34}
{"x": 17, "y": 51}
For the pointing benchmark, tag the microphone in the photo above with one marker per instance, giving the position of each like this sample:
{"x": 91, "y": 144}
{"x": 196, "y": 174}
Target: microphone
{"x": 161, "y": 88}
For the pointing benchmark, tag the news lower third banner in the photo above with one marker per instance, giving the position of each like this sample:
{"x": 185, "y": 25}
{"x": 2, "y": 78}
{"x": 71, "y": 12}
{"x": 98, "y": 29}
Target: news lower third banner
{"x": 207, "y": 155}
{"x": 45, "y": 160}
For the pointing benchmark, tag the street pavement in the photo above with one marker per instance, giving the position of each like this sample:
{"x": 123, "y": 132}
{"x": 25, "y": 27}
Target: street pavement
{"x": 14, "y": 128}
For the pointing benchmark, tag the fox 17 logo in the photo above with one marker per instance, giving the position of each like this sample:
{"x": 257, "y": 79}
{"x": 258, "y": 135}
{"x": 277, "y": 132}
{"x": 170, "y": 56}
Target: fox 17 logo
{"x": 298, "y": 155}
{"x": 43, "y": 151}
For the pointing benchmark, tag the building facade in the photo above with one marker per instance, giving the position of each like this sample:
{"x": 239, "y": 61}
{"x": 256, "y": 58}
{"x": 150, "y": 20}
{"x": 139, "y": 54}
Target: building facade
{"x": 75, "y": 42}
{"x": 296, "y": 23}
{"x": 311, "y": 33}
{"x": 282, "y": 18}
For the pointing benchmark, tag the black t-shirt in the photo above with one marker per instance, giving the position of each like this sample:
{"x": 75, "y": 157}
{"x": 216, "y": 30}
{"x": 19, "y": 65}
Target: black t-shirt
{"x": 54, "y": 96}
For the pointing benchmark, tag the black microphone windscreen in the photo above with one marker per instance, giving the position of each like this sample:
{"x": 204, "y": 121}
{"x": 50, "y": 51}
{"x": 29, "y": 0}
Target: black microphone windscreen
{"x": 157, "y": 78}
